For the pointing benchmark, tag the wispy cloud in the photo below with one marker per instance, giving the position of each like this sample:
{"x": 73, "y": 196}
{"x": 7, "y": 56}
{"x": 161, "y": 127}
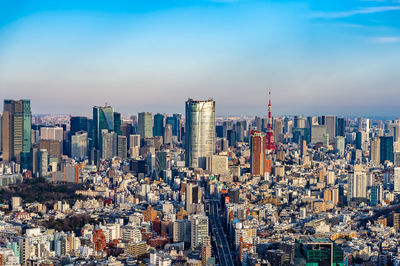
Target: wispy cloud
{"x": 359, "y": 11}
{"x": 391, "y": 39}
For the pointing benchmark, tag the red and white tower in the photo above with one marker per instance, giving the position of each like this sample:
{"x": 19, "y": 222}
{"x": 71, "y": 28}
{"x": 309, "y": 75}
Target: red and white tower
{"x": 269, "y": 138}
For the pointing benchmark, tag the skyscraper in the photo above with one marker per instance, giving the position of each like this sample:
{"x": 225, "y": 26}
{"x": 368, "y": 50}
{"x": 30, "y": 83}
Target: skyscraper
{"x": 79, "y": 144}
{"x": 386, "y": 149}
{"x": 158, "y": 127}
{"x": 396, "y": 179}
{"x": 117, "y": 123}
{"x": 103, "y": 118}
{"x": 43, "y": 163}
{"x": 200, "y": 132}
{"x": 375, "y": 153}
{"x": 357, "y": 185}
{"x": 339, "y": 145}
{"x": 145, "y": 125}
{"x": 167, "y": 134}
{"x": 134, "y": 145}
{"x": 330, "y": 122}
{"x": 257, "y": 153}
{"x": 17, "y": 122}
{"x": 175, "y": 122}
{"x": 109, "y": 144}
{"x": 340, "y": 127}
{"x": 122, "y": 147}
{"x": 199, "y": 230}
{"x": 79, "y": 123}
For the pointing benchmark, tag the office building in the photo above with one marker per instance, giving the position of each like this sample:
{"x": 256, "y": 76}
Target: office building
{"x": 217, "y": 164}
{"x": 258, "y": 165}
{"x": 17, "y": 121}
{"x": 79, "y": 123}
{"x": 194, "y": 195}
{"x": 317, "y": 251}
{"x": 357, "y": 185}
{"x": 330, "y": 122}
{"x": 122, "y": 147}
{"x": 181, "y": 231}
{"x": 109, "y": 144}
{"x": 231, "y": 136}
{"x": 396, "y": 179}
{"x": 200, "y": 132}
{"x": 386, "y": 150}
{"x": 167, "y": 139}
{"x": 145, "y": 125}
{"x": 199, "y": 230}
{"x": 278, "y": 129}
{"x": 175, "y": 122}
{"x": 134, "y": 145}
{"x": 79, "y": 145}
{"x": 317, "y": 133}
{"x": 43, "y": 163}
{"x": 53, "y": 148}
{"x": 103, "y": 119}
{"x": 340, "y": 127}
{"x": 339, "y": 145}
{"x": 375, "y": 153}
{"x": 117, "y": 123}
{"x": 325, "y": 142}
{"x": 158, "y": 127}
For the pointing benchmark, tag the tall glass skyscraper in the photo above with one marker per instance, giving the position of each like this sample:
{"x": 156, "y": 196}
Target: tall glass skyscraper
{"x": 145, "y": 125}
{"x": 79, "y": 123}
{"x": 158, "y": 127}
{"x": 199, "y": 132}
{"x": 103, "y": 118}
{"x": 17, "y": 123}
{"x": 387, "y": 149}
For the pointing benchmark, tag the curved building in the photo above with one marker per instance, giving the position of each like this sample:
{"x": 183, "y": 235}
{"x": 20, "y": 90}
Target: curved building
{"x": 199, "y": 132}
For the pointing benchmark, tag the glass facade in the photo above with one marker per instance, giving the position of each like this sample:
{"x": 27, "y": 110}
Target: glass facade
{"x": 158, "y": 128}
{"x": 200, "y": 132}
{"x": 103, "y": 118}
{"x": 145, "y": 125}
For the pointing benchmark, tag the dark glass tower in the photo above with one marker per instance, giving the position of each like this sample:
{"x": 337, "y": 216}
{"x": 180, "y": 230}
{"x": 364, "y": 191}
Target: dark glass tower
{"x": 79, "y": 123}
{"x": 103, "y": 118}
{"x": 387, "y": 149}
{"x": 17, "y": 123}
{"x": 158, "y": 125}
{"x": 117, "y": 123}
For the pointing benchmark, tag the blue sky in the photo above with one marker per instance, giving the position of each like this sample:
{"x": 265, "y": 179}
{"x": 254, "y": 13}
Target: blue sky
{"x": 318, "y": 57}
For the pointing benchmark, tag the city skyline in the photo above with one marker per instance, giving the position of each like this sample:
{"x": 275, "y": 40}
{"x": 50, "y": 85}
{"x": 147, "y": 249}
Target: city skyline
{"x": 336, "y": 58}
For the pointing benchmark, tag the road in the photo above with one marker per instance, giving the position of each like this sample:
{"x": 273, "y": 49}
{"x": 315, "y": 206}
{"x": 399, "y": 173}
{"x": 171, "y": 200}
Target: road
{"x": 223, "y": 251}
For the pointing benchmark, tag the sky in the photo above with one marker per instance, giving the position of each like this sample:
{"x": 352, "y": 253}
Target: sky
{"x": 317, "y": 57}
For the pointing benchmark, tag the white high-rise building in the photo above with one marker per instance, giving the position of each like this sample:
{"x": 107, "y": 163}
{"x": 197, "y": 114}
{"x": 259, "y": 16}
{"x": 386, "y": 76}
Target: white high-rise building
{"x": 109, "y": 144}
{"x": 134, "y": 145}
{"x": 199, "y": 229}
{"x": 79, "y": 145}
{"x": 339, "y": 145}
{"x": 396, "y": 179}
{"x": 54, "y": 133}
{"x": 357, "y": 185}
{"x": 375, "y": 152}
{"x": 43, "y": 162}
{"x": 200, "y": 132}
